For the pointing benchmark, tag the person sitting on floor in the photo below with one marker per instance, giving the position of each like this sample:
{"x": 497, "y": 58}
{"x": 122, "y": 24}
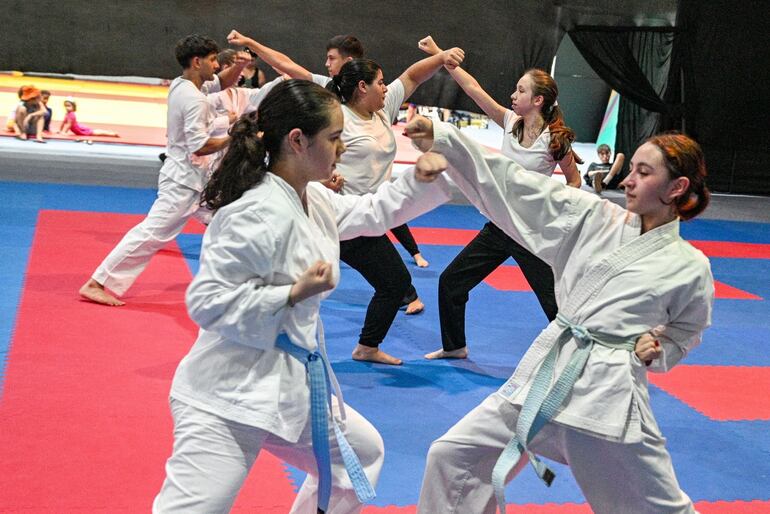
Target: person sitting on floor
{"x": 600, "y": 174}
{"x": 70, "y": 124}
{"x": 10, "y": 122}
{"x": 30, "y": 115}
{"x": 44, "y": 96}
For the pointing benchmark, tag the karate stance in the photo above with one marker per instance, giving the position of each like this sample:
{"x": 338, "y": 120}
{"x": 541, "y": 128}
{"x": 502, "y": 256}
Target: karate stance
{"x": 370, "y": 107}
{"x": 183, "y": 175}
{"x": 633, "y": 297}
{"x": 270, "y": 255}
{"x": 536, "y": 138}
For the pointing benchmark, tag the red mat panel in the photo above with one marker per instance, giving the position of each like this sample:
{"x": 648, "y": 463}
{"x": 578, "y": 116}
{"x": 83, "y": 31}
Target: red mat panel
{"x": 718, "y": 507}
{"x": 723, "y": 393}
{"x": 722, "y": 290}
{"x": 440, "y": 236}
{"x": 129, "y": 134}
{"x": 84, "y": 417}
{"x": 734, "y": 507}
{"x": 733, "y": 250}
{"x": 508, "y": 278}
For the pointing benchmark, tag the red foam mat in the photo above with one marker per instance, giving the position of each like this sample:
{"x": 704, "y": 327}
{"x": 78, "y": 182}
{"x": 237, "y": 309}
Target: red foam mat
{"x": 723, "y": 393}
{"x": 129, "y": 134}
{"x": 717, "y": 507}
{"x": 84, "y": 418}
{"x": 732, "y": 249}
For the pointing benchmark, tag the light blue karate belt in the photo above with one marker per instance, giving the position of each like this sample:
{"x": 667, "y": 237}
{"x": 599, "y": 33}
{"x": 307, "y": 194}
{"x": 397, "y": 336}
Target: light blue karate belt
{"x": 541, "y": 404}
{"x": 320, "y": 399}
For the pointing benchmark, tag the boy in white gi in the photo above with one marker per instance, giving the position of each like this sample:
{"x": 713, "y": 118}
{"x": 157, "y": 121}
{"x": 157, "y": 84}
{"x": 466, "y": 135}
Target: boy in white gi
{"x": 633, "y": 296}
{"x": 270, "y": 255}
{"x": 182, "y": 177}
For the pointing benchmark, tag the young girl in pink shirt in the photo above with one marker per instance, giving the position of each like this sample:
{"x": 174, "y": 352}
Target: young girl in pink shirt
{"x": 70, "y": 124}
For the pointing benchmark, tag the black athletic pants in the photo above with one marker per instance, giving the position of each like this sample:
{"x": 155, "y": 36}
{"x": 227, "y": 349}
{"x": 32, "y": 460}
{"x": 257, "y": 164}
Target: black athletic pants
{"x": 488, "y": 250}
{"x": 378, "y": 261}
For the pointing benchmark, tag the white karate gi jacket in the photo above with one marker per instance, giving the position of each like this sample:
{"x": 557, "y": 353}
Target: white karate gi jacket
{"x": 188, "y": 120}
{"x": 238, "y": 100}
{"x": 608, "y": 278}
{"x": 253, "y": 251}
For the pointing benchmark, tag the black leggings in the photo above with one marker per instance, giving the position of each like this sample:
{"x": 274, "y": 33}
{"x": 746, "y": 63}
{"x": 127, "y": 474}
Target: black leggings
{"x": 404, "y": 236}
{"x": 488, "y": 250}
{"x": 378, "y": 261}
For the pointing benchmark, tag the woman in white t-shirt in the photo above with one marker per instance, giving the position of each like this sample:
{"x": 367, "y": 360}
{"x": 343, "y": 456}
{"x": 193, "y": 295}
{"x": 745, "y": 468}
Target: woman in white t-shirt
{"x": 370, "y": 107}
{"x": 536, "y": 138}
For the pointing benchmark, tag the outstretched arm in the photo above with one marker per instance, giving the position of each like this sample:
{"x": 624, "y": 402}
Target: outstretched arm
{"x": 279, "y": 61}
{"x": 469, "y": 84}
{"x": 536, "y": 211}
{"x": 230, "y": 76}
{"x": 424, "y": 69}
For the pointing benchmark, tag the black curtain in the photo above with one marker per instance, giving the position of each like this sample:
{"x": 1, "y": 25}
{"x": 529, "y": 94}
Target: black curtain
{"x": 726, "y": 92}
{"x": 637, "y": 63}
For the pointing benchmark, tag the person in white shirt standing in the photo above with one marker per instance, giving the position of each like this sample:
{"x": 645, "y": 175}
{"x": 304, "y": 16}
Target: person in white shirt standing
{"x": 536, "y": 138}
{"x": 633, "y": 297}
{"x": 370, "y": 107}
{"x": 182, "y": 176}
{"x": 340, "y": 50}
{"x": 257, "y": 376}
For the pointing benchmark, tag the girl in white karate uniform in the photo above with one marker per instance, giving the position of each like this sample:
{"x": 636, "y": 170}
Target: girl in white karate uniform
{"x": 633, "y": 297}
{"x": 269, "y": 256}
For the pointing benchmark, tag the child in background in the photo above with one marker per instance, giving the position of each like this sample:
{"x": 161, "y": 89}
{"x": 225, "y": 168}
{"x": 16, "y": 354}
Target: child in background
{"x": 600, "y": 174}
{"x": 70, "y": 124}
{"x": 10, "y": 123}
{"x": 44, "y": 96}
{"x": 29, "y": 115}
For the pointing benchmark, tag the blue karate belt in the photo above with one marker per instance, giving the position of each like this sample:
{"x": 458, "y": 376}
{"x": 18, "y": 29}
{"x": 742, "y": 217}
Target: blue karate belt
{"x": 320, "y": 400}
{"x": 541, "y": 404}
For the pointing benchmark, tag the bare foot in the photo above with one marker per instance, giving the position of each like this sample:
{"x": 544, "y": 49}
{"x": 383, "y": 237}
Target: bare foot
{"x": 365, "y": 353}
{"x": 94, "y": 292}
{"x": 415, "y": 307}
{"x": 460, "y": 353}
{"x": 420, "y": 261}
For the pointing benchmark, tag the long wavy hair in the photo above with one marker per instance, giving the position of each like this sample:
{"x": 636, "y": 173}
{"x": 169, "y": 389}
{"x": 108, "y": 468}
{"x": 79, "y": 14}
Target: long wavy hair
{"x": 562, "y": 136}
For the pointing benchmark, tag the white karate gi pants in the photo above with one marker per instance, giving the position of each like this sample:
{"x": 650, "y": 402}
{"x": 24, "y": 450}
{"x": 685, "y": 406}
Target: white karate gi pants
{"x": 167, "y": 217}
{"x": 615, "y": 478}
{"x": 212, "y": 457}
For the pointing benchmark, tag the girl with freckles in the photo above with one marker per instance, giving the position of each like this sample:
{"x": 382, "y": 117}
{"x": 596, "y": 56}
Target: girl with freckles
{"x": 633, "y": 296}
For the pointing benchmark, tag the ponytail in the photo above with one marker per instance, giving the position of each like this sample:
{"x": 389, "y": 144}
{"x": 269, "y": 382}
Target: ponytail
{"x": 241, "y": 168}
{"x": 561, "y": 135}
{"x": 256, "y": 145}
{"x": 334, "y": 86}
{"x": 345, "y": 83}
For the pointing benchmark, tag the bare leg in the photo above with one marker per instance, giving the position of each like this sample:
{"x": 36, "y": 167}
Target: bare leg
{"x": 94, "y": 291}
{"x": 369, "y": 354}
{"x": 108, "y": 133}
{"x": 39, "y": 129}
{"x": 598, "y": 183}
{"x": 21, "y": 130}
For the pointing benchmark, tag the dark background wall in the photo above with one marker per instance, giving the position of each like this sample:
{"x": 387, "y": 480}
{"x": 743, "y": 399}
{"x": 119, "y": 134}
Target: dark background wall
{"x": 583, "y": 95}
{"x": 501, "y": 38}
{"x": 726, "y": 90}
